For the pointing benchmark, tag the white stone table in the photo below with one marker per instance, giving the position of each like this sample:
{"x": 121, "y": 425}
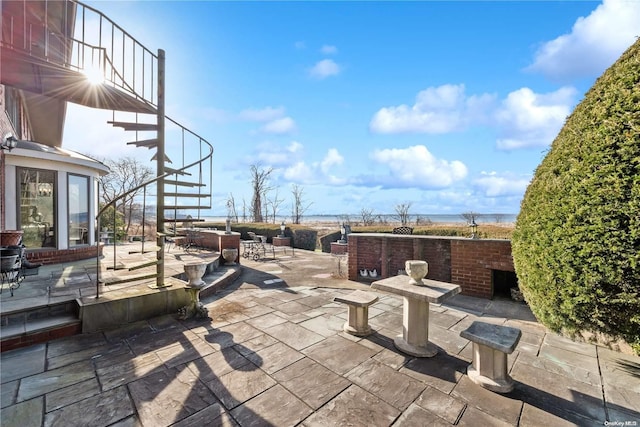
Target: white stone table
{"x": 415, "y": 320}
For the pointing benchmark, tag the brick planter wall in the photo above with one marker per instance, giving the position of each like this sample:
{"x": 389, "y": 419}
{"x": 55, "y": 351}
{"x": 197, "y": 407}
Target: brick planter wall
{"x": 281, "y": 241}
{"x": 465, "y": 262}
{"x": 219, "y": 240}
{"x": 339, "y": 248}
{"x": 55, "y": 256}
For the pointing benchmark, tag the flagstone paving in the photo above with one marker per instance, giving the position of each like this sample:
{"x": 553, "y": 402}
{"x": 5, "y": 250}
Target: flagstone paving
{"x": 274, "y": 354}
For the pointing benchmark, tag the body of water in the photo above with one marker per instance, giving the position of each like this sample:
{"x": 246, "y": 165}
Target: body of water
{"x": 424, "y": 218}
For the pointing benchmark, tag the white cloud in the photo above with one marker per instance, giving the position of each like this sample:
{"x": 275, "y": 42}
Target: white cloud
{"x": 332, "y": 158}
{"x": 523, "y": 119}
{"x": 272, "y": 158}
{"x": 493, "y": 184}
{"x": 594, "y": 43}
{"x": 416, "y": 167}
{"x": 527, "y": 119}
{"x": 281, "y": 126}
{"x": 324, "y": 69}
{"x": 299, "y": 173}
{"x": 277, "y": 156}
{"x": 316, "y": 172}
{"x": 329, "y": 50}
{"x": 295, "y": 147}
{"x": 262, "y": 115}
{"x": 277, "y": 122}
{"x": 439, "y": 109}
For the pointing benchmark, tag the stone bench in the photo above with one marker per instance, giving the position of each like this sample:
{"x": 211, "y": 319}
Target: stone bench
{"x": 358, "y": 303}
{"x": 491, "y": 344}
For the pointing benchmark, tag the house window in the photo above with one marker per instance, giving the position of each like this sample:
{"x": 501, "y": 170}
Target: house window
{"x": 12, "y": 107}
{"x": 37, "y": 193}
{"x": 78, "y": 190}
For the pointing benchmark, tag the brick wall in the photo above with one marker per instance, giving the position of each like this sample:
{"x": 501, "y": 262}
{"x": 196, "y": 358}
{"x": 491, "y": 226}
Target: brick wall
{"x": 55, "y": 256}
{"x": 465, "y": 262}
{"x": 219, "y": 240}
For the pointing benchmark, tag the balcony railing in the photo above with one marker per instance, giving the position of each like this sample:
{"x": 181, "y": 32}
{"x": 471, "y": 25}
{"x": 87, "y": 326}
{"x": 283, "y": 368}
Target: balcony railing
{"x": 79, "y": 37}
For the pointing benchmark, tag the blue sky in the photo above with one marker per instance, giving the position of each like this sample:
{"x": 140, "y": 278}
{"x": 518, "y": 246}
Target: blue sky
{"x": 449, "y": 106}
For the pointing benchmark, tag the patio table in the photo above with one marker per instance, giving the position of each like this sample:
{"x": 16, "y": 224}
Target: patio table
{"x": 415, "y": 319}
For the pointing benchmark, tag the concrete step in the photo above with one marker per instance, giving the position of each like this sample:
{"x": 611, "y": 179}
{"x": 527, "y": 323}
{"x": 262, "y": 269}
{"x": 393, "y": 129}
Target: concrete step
{"x": 34, "y": 325}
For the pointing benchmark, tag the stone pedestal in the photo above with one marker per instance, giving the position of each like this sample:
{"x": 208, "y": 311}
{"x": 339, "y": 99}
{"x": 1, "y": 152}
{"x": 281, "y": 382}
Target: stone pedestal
{"x": 415, "y": 329}
{"x": 194, "y": 308}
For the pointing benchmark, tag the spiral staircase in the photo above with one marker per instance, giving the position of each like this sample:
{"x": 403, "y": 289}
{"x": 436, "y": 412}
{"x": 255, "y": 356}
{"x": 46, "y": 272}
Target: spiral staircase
{"x": 55, "y": 49}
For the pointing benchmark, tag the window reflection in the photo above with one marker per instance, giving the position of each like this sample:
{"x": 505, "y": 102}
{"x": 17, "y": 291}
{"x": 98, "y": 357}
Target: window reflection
{"x": 37, "y": 207}
{"x": 78, "y": 210}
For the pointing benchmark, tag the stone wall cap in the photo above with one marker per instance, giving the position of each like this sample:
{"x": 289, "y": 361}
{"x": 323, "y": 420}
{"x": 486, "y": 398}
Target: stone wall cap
{"x": 425, "y": 236}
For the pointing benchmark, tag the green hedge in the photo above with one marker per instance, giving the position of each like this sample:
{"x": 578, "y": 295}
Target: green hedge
{"x": 301, "y": 237}
{"x": 327, "y": 239}
{"x": 576, "y": 245}
{"x": 305, "y": 238}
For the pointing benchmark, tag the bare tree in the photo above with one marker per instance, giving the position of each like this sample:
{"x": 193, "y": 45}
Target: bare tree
{"x": 367, "y": 216}
{"x": 274, "y": 204}
{"x": 499, "y": 218}
{"x": 344, "y": 219}
{"x": 402, "y": 213}
{"x": 244, "y": 211}
{"x": 231, "y": 208}
{"x": 126, "y": 174}
{"x": 265, "y": 206}
{"x": 299, "y": 208}
{"x": 423, "y": 220}
{"x": 470, "y": 216}
{"x": 259, "y": 184}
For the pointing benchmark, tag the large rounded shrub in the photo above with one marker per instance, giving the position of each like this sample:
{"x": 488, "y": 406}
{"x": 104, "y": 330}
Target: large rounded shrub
{"x": 576, "y": 245}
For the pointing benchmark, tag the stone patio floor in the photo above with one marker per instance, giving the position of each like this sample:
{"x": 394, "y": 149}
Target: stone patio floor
{"x": 273, "y": 354}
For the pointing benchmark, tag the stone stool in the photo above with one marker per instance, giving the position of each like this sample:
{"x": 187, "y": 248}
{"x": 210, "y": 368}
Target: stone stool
{"x": 491, "y": 344}
{"x": 358, "y": 303}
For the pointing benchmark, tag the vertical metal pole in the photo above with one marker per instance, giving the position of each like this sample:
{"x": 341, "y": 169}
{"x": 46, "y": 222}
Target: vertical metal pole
{"x": 115, "y": 233}
{"x": 160, "y": 172}
{"x": 97, "y": 187}
{"x": 144, "y": 219}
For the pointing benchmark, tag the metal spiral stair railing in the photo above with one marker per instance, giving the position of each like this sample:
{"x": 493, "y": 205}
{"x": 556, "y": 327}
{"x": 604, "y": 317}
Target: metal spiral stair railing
{"x": 205, "y": 157}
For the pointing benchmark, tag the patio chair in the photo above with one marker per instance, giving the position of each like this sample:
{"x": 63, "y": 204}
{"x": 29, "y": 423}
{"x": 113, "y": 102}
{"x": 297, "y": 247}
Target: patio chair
{"x": 193, "y": 240}
{"x": 403, "y": 230}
